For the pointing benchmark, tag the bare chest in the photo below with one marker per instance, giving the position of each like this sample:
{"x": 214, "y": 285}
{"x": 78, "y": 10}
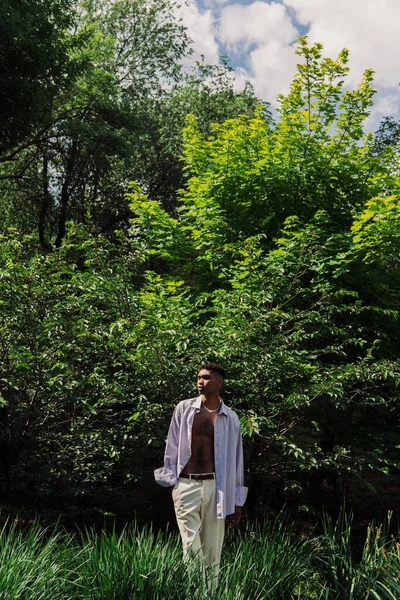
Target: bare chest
{"x": 202, "y": 444}
{"x": 203, "y": 425}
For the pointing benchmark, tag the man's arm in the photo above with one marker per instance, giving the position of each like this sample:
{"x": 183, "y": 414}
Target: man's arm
{"x": 167, "y": 475}
{"x": 240, "y": 489}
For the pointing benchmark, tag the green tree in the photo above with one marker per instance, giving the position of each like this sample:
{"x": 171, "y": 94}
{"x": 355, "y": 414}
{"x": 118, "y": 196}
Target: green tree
{"x": 387, "y": 135}
{"x": 250, "y": 174}
{"x": 288, "y": 276}
{"x": 34, "y": 60}
{"x": 207, "y": 93}
{"x": 301, "y": 302}
{"x": 96, "y": 122}
{"x": 119, "y": 118}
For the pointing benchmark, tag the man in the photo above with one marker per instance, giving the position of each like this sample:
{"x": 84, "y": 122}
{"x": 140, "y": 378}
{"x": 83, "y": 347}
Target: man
{"x": 203, "y": 464}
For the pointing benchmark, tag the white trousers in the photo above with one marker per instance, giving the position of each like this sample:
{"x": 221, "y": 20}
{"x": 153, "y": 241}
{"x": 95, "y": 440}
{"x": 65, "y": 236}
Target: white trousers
{"x": 196, "y": 513}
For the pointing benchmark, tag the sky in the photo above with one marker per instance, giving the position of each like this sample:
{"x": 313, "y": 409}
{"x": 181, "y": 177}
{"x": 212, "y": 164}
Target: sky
{"x": 259, "y": 37}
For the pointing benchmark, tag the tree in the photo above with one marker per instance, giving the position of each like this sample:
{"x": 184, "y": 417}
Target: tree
{"x": 209, "y": 95}
{"x": 119, "y": 118}
{"x": 285, "y": 236}
{"x": 95, "y": 122}
{"x": 34, "y": 60}
{"x": 250, "y": 174}
{"x": 287, "y": 274}
{"x": 387, "y": 135}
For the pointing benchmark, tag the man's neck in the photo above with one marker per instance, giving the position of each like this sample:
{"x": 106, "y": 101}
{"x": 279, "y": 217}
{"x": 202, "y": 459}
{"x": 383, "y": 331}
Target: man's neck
{"x": 211, "y": 402}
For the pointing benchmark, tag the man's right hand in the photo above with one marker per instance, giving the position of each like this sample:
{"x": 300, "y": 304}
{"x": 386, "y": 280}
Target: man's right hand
{"x": 235, "y": 518}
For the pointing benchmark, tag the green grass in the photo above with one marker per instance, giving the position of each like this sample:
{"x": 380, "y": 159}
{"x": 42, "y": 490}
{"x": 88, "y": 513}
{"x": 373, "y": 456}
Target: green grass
{"x": 376, "y": 575}
{"x": 264, "y": 562}
{"x": 34, "y": 566}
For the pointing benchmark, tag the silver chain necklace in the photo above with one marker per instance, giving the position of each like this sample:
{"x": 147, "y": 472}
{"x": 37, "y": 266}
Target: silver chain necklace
{"x": 213, "y": 410}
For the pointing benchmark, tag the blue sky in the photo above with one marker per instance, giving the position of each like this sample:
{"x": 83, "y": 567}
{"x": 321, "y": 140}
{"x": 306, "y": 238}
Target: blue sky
{"x": 259, "y": 37}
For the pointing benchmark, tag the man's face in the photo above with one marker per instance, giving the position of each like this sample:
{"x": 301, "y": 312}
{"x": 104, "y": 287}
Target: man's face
{"x": 208, "y": 382}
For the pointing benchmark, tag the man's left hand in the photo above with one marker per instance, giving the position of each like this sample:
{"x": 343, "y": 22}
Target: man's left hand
{"x": 235, "y": 519}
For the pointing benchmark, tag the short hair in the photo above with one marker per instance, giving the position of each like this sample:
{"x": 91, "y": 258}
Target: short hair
{"x": 210, "y": 366}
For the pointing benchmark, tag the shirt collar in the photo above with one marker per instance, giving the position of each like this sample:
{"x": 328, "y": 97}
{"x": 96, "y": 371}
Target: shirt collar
{"x": 222, "y": 410}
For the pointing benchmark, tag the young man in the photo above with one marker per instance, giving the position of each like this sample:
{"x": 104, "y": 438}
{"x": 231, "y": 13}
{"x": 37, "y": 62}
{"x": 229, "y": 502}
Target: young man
{"x": 203, "y": 464}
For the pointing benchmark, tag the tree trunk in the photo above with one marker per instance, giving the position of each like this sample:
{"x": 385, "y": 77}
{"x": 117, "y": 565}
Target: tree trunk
{"x": 46, "y": 201}
{"x": 65, "y": 194}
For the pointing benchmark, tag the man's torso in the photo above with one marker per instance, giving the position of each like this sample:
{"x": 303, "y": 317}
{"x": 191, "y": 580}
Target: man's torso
{"x": 202, "y": 445}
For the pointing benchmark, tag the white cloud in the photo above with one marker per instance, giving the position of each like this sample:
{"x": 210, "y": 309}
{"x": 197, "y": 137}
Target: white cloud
{"x": 256, "y": 23}
{"x": 241, "y": 76}
{"x": 272, "y": 66}
{"x": 201, "y": 29}
{"x": 261, "y": 36}
{"x": 386, "y": 103}
{"x": 263, "y": 33}
{"x": 368, "y": 28}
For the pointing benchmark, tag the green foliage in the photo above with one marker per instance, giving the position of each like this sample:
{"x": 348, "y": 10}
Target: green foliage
{"x": 88, "y": 359}
{"x": 93, "y": 125}
{"x": 278, "y": 565}
{"x": 307, "y": 354}
{"x": 377, "y": 231}
{"x": 115, "y": 112}
{"x": 34, "y": 565}
{"x": 248, "y": 175}
{"x": 291, "y": 258}
{"x": 280, "y": 260}
{"x": 209, "y": 94}
{"x": 34, "y": 61}
{"x": 133, "y": 564}
{"x": 387, "y": 136}
{"x": 315, "y": 157}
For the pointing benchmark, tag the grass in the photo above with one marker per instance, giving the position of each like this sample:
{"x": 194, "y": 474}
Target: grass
{"x": 264, "y": 562}
{"x": 376, "y": 575}
{"x": 33, "y": 566}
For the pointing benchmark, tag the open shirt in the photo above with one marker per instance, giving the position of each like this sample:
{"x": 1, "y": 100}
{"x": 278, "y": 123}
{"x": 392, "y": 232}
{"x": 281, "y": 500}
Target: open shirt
{"x": 228, "y": 453}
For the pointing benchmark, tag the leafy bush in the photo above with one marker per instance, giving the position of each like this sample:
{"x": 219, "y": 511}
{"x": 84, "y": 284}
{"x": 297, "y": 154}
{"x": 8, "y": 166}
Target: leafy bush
{"x": 275, "y": 264}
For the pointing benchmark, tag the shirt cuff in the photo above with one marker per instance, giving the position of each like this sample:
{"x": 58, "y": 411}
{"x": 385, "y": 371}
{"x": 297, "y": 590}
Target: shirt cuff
{"x": 165, "y": 477}
{"x": 240, "y": 495}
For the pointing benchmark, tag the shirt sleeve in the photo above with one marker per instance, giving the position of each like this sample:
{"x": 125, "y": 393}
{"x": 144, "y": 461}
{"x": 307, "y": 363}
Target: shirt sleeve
{"x": 167, "y": 475}
{"x": 240, "y": 490}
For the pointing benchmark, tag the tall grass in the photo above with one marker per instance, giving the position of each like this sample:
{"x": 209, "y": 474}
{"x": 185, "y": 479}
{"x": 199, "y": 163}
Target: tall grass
{"x": 34, "y": 566}
{"x": 375, "y": 576}
{"x": 263, "y": 562}
{"x": 133, "y": 564}
{"x": 267, "y": 561}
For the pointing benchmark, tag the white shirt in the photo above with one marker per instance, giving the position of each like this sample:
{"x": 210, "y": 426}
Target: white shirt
{"x": 228, "y": 453}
